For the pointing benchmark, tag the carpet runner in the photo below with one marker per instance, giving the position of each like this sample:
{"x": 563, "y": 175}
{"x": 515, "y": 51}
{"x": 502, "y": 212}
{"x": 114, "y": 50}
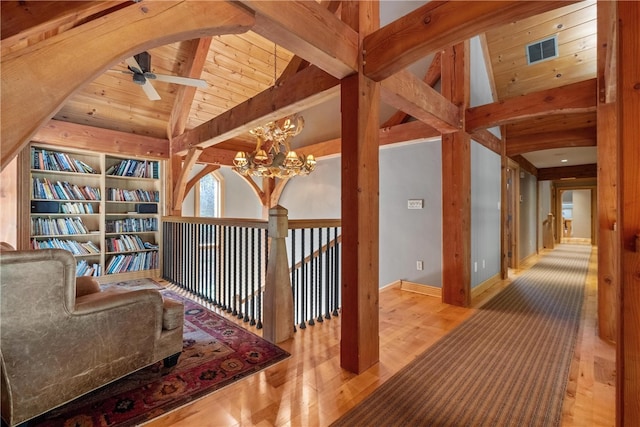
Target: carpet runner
{"x": 506, "y": 365}
{"x": 216, "y": 352}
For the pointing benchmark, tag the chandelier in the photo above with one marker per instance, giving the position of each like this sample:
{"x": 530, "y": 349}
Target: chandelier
{"x": 273, "y": 156}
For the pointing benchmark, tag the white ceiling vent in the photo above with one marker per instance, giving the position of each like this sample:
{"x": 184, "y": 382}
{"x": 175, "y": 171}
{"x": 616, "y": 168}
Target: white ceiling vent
{"x": 542, "y": 50}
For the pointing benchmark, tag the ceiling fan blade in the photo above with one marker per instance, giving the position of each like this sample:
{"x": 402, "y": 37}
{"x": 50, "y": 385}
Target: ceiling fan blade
{"x": 133, "y": 64}
{"x": 178, "y": 80}
{"x": 150, "y": 91}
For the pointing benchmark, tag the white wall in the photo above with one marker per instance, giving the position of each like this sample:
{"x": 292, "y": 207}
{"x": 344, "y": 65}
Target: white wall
{"x": 582, "y": 214}
{"x": 410, "y": 171}
{"x": 528, "y": 214}
{"x": 485, "y": 214}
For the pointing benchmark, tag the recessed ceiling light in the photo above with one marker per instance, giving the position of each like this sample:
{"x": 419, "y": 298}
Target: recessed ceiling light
{"x": 564, "y": 160}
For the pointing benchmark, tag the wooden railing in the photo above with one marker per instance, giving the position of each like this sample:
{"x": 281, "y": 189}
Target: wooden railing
{"x": 314, "y": 254}
{"x": 242, "y": 266}
{"x": 223, "y": 261}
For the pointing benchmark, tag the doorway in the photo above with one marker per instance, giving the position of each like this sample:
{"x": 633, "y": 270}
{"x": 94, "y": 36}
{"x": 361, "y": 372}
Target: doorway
{"x": 575, "y": 208}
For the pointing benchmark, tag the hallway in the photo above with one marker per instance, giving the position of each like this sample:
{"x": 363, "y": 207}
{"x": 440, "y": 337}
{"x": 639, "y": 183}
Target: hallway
{"x": 310, "y": 389}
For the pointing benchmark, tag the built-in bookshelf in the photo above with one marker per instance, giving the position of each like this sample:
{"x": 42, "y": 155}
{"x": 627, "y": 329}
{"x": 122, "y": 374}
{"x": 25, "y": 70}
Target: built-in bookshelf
{"x": 104, "y": 209}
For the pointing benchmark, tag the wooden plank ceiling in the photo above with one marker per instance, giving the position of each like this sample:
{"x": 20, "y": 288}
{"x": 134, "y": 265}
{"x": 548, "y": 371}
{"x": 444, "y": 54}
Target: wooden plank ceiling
{"x": 238, "y": 67}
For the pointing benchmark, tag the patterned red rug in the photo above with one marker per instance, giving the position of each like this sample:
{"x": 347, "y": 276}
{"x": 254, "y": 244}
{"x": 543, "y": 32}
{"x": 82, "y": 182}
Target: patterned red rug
{"x": 216, "y": 353}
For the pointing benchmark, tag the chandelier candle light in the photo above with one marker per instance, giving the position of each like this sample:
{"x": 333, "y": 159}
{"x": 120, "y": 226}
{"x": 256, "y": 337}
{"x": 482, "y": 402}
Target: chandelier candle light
{"x": 273, "y": 156}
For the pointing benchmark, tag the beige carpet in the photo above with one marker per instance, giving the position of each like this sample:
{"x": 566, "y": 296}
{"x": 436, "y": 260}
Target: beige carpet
{"x": 507, "y": 365}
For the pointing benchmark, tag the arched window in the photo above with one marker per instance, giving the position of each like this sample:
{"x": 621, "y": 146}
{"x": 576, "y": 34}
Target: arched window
{"x": 208, "y": 200}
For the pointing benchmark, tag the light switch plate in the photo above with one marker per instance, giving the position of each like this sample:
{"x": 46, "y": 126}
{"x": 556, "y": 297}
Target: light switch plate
{"x": 415, "y": 204}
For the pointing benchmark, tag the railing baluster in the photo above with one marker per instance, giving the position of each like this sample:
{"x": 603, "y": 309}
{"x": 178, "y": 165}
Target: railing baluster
{"x": 259, "y": 303}
{"x": 303, "y": 281}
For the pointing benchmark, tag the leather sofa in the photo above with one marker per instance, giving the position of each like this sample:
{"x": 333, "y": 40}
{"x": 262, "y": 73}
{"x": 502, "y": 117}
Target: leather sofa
{"x": 58, "y": 342}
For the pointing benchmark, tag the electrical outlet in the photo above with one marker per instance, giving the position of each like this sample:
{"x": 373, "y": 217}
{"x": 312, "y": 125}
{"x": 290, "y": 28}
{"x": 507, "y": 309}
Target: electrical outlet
{"x": 483, "y": 265}
{"x": 419, "y": 265}
{"x": 415, "y": 204}
{"x": 475, "y": 267}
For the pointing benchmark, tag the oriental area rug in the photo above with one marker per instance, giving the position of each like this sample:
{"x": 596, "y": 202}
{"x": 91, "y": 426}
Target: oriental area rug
{"x": 216, "y": 352}
{"x": 506, "y": 365}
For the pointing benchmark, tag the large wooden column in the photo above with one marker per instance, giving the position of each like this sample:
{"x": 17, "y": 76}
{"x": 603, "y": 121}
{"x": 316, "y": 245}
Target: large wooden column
{"x": 628, "y": 97}
{"x": 456, "y": 184}
{"x": 360, "y": 99}
{"x": 608, "y": 253}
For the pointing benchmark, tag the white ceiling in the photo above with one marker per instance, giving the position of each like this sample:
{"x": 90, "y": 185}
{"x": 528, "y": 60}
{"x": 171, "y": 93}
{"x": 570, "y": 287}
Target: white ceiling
{"x": 553, "y": 158}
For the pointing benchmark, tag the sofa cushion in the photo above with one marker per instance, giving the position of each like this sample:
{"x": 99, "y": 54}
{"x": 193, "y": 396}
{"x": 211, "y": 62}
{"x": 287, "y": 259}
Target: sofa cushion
{"x": 172, "y": 314}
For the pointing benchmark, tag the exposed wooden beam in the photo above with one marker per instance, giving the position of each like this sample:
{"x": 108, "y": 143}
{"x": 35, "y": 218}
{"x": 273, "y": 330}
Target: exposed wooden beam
{"x": 296, "y": 64}
{"x": 431, "y": 77}
{"x": 73, "y": 135}
{"x": 217, "y": 156}
{"x": 525, "y": 164}
{"x": 307, "y": 88}
{"x": 487, "y": 139}
{"x": 277, "y": 190}
{"x": 26, "y": 23}
{"x": 181, "y": 183}
{"x": 585, "y": 137}
{"x": 486, "y": 56}
{"x": 437, "y": 25}
{"x": 197, "y": 177}
{"x": 568, "y": 172}
{"x": 406, "y": 92}
{"x": 302, "y": 28}
{"x": 41, "y": 72}
{"x": 573, "y": 98}
{"x": 401, "y": 133}
{"x": 196, "y": 51}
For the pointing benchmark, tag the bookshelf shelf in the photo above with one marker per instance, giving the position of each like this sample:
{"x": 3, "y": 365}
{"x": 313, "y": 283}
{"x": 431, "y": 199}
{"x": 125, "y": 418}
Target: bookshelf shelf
{"x": 83, "y": 199}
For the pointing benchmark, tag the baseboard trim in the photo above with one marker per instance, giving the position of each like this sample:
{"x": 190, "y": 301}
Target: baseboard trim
{"x": 484, "y": 286}
{"x": 419, "y": 288}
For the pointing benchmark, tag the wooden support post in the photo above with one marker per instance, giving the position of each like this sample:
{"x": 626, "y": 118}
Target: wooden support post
{"x": 608, "y": 253}
{"x": 360, "y": 101}
{"x": 278, "y": 296}
{"x": 456, "y": 184}
{"x": 504, "y": 231}
{"x": 628, "y": 98}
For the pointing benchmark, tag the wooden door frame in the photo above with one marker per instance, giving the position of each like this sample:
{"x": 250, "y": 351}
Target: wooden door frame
{"x": 561, "y": 186}
{"x": 513, "y": 172}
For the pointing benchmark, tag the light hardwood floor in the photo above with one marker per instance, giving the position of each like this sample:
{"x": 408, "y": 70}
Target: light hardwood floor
{"x": 310, "y": 388}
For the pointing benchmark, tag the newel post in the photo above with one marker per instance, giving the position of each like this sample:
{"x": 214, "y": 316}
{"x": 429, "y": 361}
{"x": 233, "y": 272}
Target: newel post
{"x": 278, "y": 297}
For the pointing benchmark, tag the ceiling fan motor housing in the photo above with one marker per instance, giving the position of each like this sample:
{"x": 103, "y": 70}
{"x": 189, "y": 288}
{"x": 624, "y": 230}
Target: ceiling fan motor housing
{"x": 139, "y": 79}
{"x": 144, "y": 60}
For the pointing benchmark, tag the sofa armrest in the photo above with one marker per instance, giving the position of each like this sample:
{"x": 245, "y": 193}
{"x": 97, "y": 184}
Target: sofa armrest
{"x": 86, "y": 285}
{"x": 108, "y": 300}
{"x": 172, "y": 314}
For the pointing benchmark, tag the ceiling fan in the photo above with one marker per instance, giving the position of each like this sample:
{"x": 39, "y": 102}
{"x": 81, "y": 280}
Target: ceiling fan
{"x": 139, "y": 67}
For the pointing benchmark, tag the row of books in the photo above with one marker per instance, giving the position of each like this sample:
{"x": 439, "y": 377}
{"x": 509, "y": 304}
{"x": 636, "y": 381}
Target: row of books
{"x": 45, "y": 189}
{"x": 57, "y": 226}
{"x": 127, "y": 243}
{"x": 132, "y": 225}
{"x": 123, "y": 195}
{"x": 55, "y": 161}
{"x": 83, "y": 268}
{"x": 76, "y": 248}
{"x": 77, "y": 208}
{"x": 132, "y": 262}
{"x": 135, "y": 168}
